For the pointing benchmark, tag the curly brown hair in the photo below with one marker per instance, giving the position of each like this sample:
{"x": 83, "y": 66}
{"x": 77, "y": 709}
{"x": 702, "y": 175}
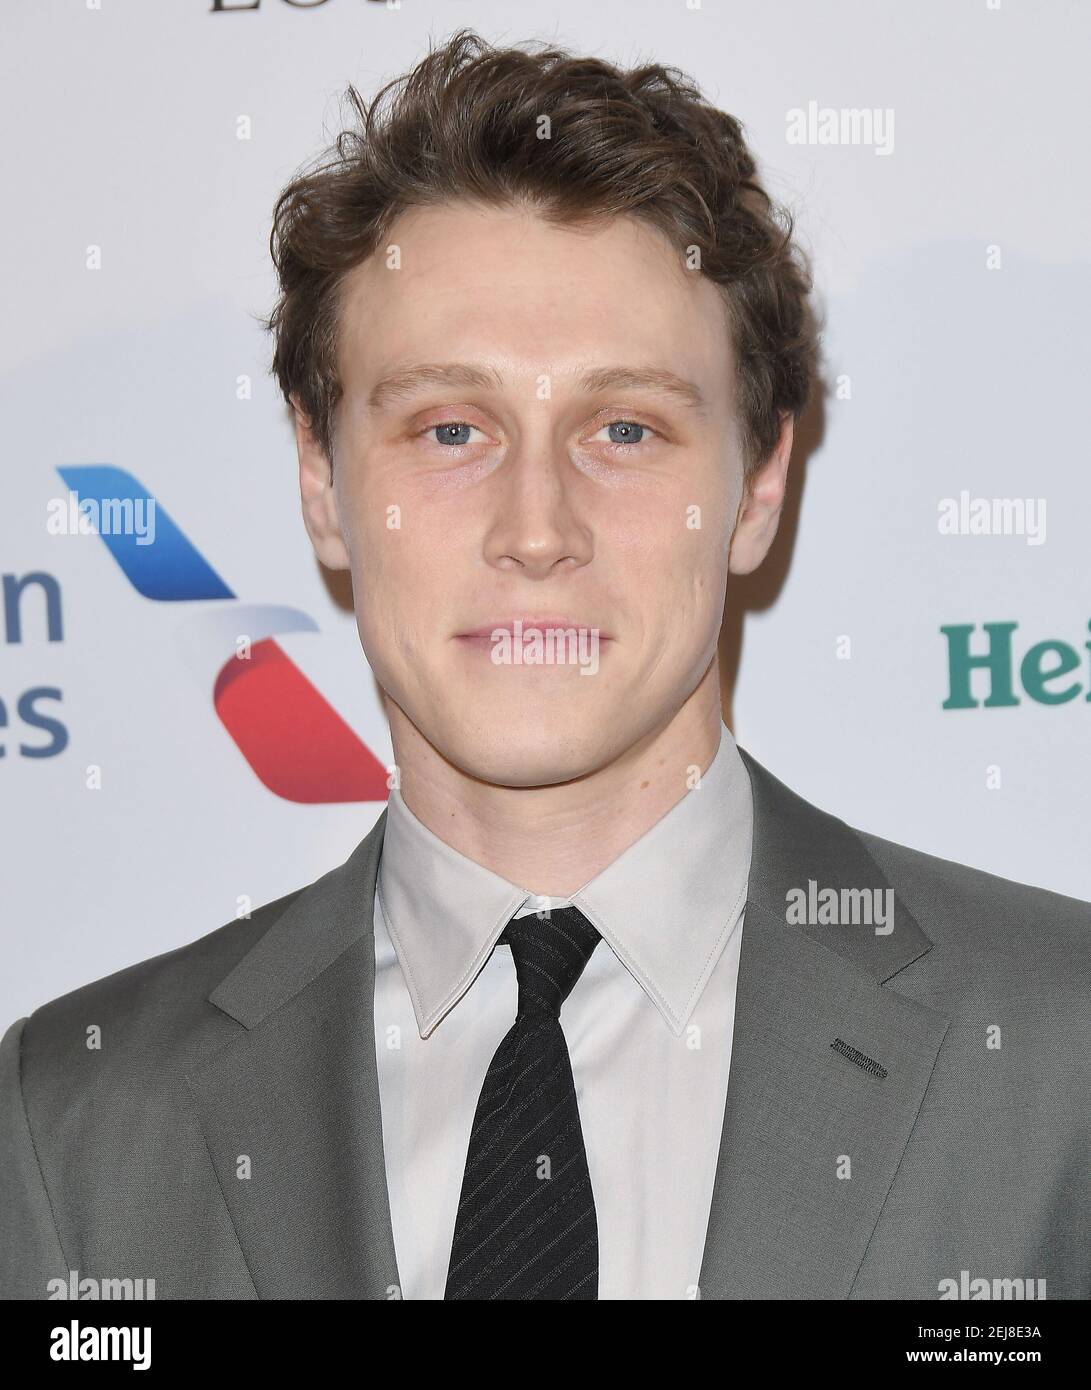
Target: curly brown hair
{"x": 466, "y": 123}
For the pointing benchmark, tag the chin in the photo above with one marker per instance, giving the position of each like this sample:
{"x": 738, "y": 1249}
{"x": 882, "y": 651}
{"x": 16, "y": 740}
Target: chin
{"x": 522, "y": 755}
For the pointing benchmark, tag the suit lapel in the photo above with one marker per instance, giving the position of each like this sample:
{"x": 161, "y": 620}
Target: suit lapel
{"x": 297, "y": 1091}
{"x": 297, "y": 1094}
{"x": 812, "y": 1139}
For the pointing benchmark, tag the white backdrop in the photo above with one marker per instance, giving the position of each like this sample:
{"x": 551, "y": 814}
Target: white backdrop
{"x": 952, "y": 266}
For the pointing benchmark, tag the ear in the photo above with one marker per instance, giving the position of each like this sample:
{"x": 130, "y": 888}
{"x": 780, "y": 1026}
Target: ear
{"x": 761, "y": 505}
{"x": 320, "y": 514}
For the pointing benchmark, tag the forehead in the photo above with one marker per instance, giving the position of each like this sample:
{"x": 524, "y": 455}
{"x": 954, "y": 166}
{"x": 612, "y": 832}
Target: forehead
{"x": 505, "y": 287}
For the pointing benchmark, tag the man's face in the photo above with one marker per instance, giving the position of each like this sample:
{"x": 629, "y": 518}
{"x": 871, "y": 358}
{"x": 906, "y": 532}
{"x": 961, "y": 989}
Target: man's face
{"x": 523, "y": 486}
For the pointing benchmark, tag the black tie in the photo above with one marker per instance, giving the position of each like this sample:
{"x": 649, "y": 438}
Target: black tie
{"x": 526, "y": 1226}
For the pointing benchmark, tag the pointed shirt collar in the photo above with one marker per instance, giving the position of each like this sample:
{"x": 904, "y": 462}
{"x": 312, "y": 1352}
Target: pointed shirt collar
{"x": 667, "y": 905}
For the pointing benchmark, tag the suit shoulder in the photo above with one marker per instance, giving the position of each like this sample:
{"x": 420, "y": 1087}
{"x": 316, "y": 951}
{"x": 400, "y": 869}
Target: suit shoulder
{"x": 953, "y": 903}
{"x": 989, "y": 917}
{"x": 155, "y": 997}
{"x": 969, "y": 888}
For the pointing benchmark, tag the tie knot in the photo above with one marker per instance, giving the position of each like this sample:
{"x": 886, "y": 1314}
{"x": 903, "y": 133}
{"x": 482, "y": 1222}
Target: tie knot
{"x": 550, "y": 953}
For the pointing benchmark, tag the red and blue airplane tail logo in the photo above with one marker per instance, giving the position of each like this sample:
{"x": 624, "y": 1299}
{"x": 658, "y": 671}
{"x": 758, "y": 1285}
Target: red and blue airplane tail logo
{"x": 289, "y": 733}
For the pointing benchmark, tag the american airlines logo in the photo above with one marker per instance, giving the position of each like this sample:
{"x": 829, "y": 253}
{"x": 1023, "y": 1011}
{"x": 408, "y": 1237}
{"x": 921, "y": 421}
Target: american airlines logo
{"x": 285, "y": 728}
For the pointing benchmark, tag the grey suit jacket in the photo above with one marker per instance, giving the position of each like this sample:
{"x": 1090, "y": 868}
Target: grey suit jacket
{"x": 904, "y": 1107}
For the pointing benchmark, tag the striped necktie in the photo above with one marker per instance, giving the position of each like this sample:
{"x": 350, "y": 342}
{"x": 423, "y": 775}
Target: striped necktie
{"x": 526, "y": 1225}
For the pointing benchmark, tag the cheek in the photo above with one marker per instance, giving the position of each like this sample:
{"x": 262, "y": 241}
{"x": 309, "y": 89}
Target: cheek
{"x": 676, "y": 557}
{"x": 378, "y": 531}
{"x": 376, "y": 538}
{"x": 702, "y": 578}
{"x": 401, "y": 575}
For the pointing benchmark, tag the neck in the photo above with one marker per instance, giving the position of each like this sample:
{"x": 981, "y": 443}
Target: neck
{"x": 551, "y": 840}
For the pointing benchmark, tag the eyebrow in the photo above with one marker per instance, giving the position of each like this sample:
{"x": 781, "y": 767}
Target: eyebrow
{"x": 410, "y": 379}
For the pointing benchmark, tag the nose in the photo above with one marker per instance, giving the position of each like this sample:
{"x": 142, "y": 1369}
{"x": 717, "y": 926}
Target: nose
{"x": 535, "y": 527}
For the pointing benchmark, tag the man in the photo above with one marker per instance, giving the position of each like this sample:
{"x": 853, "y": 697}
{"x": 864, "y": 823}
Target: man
{"x": 598, "y": 1008}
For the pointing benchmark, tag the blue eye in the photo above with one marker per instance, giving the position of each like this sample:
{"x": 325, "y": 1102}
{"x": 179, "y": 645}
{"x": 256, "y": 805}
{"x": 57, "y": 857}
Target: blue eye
{"x": 626, "y": 432}
{"x": 453, "y": 432}
{"x": 456, "y": 433}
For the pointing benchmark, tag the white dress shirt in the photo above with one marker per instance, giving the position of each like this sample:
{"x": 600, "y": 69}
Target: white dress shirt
{"x": 648, "y": 1027}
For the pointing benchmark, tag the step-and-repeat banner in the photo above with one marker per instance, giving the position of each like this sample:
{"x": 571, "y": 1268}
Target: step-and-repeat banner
{"x": 916, "y": 655}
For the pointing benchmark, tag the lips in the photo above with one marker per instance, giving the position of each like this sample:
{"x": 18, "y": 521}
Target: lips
{"x": 542, "y": 624}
